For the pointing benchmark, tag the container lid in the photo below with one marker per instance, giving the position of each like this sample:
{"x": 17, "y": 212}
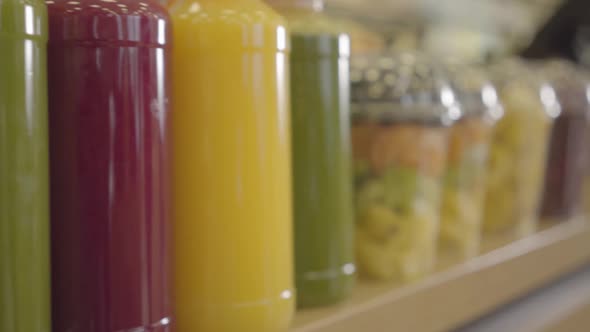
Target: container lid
{"x": 516, "y": 79}
{"x": 23, "y": 19}
{"x": 134, "y": 22}
{"x": 403, "y": 87}
{"x": 571, "y": 83}
{"x": 315, "y": 5}
{"x": 474, "y": 91}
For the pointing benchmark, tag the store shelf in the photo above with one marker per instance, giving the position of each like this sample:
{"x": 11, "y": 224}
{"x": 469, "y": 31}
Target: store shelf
{"x": 462, "y": 293}
{"x": 562, "y": 307}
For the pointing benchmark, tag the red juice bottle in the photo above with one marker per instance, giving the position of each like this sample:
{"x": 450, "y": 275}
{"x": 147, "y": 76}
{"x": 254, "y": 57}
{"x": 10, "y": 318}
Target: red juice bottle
{"x": 108, "y": 114}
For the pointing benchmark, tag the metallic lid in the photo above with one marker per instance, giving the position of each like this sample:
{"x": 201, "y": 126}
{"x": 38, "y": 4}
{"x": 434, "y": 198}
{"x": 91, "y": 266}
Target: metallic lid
{"x": 518, "y": 80}
{"x": 474, "y": 91}
{"x": 571, "y": 84}
{"x": 402, "y": 87}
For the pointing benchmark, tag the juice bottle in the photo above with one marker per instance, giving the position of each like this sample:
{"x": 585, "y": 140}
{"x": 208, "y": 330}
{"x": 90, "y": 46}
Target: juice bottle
{"x": 108, "y": 107}
{"x": 24, "y": 168}
{"x": 233, "y": 246}
{"x": 567, "y": 155}
{"x": 322, "y": 165}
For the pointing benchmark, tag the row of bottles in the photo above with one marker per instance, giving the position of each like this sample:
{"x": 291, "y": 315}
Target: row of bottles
{"x": 106, "y": 118}
{"x": 205, "y": 167}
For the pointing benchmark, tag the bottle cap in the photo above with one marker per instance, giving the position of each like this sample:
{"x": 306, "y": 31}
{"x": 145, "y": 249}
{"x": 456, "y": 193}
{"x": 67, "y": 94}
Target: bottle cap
{"x": 315, "y": 5}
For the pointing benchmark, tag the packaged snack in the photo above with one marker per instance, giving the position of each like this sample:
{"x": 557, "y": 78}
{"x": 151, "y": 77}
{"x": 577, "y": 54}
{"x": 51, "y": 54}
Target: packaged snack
{"x": 464, "y": 179}
{"x": 518, "y": 153}
{"x": 401, "y": 112}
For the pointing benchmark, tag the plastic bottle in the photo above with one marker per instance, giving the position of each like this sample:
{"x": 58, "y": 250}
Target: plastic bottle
{"x": 109, "y": 119}
{"x": 568, "y": 153}
{"x": 322, "y": 165}
{"x": 24, "y": 168}
{"x": 518, "y": 151}
{"x": 467, "y": 158}
{"x": 402, "y": 108}
{"x": 233, "y": 237}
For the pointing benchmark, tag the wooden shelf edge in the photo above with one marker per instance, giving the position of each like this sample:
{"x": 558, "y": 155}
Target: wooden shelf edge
{"x": 461, "y": 293}
{"x": 577, "y": 321}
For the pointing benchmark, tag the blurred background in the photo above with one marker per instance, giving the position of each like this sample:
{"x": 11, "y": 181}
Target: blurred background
{"x": 470, "y": 30}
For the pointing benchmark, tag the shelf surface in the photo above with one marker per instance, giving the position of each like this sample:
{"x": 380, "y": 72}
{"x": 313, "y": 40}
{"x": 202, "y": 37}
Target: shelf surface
{"x": 462, "y": 293}
{"x": 562, "y": 307}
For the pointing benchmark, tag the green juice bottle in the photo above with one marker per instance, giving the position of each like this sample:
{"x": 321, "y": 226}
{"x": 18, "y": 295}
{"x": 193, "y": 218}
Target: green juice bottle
{"x": 24, "y": 197}
{"x": 323, "y": 199}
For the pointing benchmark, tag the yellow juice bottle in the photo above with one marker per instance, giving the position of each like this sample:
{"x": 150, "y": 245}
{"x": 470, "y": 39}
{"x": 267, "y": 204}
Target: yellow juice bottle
{"x": 232, "y": 176}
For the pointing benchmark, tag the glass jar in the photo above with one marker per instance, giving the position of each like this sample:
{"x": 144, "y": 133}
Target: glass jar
{"x": 24, "y": 168}
{"x": 518, "y": 153}
{"x": 568, "y": 148}
{"x": 322, "y": 164}
{"x": 232, "y": 170}
{"x": 464, "y": 180}
{"x": 401, "y": 110}
{"x": 109, "y": 120}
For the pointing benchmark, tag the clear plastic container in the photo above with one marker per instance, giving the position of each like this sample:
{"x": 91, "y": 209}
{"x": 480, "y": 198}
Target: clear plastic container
{"x": 322, "y": 160}
{"x": 24, "y": 168}
{"x": 518, "y": 154}
{"x": 110, "y": 205}
{"x": 401, "y": 112}
{"x": 568, "y": 149}
{"x": 232, "y": 171}
{"x": 464, "y": 180}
